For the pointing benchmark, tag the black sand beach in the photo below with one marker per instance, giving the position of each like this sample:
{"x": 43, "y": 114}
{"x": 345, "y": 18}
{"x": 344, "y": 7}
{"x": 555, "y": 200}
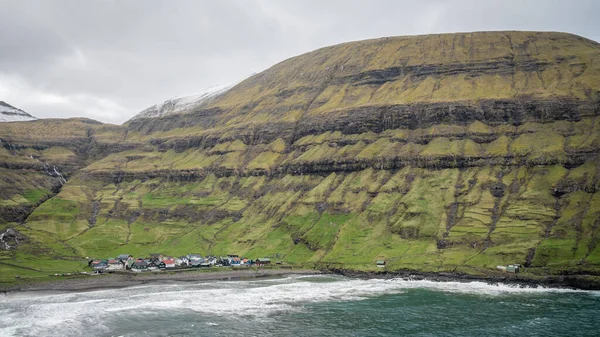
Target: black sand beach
{"x": 126, "y": 279}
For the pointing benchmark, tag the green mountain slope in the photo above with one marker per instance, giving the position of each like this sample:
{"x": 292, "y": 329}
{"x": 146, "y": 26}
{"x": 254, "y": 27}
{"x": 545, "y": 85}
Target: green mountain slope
{"x": 454, "y": 152}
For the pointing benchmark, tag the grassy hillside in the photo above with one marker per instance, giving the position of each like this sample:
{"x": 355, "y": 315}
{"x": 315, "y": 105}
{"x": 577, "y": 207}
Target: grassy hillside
{"x": 454, "y": 152}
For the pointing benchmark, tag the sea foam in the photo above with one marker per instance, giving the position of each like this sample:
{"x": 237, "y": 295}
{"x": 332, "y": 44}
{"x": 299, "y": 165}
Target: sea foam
{"x": 68, "y": 314}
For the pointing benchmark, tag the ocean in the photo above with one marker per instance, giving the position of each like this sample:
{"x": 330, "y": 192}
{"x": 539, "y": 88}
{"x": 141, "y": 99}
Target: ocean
{"x": 322, "y": 305}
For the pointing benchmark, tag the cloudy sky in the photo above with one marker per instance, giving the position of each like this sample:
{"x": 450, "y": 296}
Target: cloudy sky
{"x": 110, "y": 59}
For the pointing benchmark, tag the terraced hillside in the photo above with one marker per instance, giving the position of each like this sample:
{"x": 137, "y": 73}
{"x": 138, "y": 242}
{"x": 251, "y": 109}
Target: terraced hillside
{"x": 453, "y": 152}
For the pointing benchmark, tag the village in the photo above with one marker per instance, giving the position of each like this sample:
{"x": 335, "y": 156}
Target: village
{"x": 159, "y": 262}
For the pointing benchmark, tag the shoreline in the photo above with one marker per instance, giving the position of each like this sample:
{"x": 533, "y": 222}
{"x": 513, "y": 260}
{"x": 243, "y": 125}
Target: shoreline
{"x": 122, "y": 280}
{"x": 580, "y": 282}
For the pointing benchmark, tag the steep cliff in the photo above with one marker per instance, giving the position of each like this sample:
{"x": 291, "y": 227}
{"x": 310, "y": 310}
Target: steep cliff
{"x": 441, "y": 152}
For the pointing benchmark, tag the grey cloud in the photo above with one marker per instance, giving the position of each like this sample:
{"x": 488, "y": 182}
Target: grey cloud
{"x": 111, "y": 59}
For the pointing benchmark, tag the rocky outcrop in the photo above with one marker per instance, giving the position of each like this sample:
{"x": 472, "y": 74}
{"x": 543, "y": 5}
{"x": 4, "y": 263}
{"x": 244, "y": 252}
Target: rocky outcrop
{"x": 11, "y": 239}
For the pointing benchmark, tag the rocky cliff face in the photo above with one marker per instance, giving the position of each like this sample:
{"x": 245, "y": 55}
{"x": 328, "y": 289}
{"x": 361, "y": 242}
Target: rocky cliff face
{"x": 442, "y": 152}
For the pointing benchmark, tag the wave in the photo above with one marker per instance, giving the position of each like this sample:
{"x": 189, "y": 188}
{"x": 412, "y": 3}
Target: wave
{"x": 70, "y": 314}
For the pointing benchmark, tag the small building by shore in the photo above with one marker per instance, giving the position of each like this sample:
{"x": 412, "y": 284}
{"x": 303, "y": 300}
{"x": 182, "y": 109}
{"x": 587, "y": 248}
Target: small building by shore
{"x": 511, "y": 268}
{"x": 263, "y": 261}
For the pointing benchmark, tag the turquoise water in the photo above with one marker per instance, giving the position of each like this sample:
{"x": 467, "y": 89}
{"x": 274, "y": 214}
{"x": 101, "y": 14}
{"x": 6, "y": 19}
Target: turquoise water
{"x": 304, "y": 306}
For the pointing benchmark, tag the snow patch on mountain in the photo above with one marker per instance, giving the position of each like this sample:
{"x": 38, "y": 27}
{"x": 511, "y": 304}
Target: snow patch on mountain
{"x": 9, "y": 113}
{"x": 184, "y": 104}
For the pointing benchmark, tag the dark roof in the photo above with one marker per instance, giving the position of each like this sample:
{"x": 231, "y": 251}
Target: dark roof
{"x": 100, "y": 265}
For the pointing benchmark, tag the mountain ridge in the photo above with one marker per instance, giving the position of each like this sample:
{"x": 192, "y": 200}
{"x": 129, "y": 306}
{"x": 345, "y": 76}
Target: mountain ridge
{"x": 455, "y": 152}
{"x": 183, "y": 104}
{"x": 9, "y": 113}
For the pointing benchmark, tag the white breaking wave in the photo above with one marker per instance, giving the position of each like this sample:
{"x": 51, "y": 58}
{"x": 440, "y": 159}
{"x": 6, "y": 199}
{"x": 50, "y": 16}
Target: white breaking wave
{"x": 68, "y": 314}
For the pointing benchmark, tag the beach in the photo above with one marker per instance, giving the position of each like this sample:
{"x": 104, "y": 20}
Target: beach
{"x": 88, "y": 282}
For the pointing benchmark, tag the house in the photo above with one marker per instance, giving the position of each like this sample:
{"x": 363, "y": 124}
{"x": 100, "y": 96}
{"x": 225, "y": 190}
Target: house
{"x": 263, "y": 261}
{"x": 156, "y": 257}
{"x": 223, "y": 261}
{"x": 195, "y": 257}
{"x": 169, "y": 263}
{"x": 182, "y": 261}
{"x": 153, "y": 264}
{"x": 381, "y": 264}
{"x": 99, "y": 265}
{"x": 139, "y": 265}
{"x": 196, "y": 263}
{"x": 235, "y": 261}
{"x": 114, "y": 264}
{"x": 124, "y": 257}
{"x": 511, "y": 268}
{"x": 212, "y": 260}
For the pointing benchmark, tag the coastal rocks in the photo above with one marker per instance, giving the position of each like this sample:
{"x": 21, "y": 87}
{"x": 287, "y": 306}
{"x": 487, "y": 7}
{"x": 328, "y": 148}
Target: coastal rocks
{"x": 585, "y": 282}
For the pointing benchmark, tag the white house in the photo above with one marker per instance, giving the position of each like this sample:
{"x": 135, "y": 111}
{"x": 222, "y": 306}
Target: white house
{"x": 114, "y": 264}
{"x": 195, "y": 257}
{"x": 182, "y": 261}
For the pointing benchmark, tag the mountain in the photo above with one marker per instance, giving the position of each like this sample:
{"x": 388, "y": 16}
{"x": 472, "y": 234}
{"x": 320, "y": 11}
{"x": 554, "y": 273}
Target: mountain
{"x": 443, "y": 153}
{"x": 184, "y": 104}
{"x": 9, "y": 113}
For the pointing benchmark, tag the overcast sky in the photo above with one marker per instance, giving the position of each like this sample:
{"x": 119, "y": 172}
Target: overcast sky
{"x": 108, "y": 60}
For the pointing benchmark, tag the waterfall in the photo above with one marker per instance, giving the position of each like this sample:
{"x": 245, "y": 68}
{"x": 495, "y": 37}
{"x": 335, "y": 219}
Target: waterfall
{"x": 6, "y": 245}
{"x": 58, "y": 174}
{"x": 54, "y": 172}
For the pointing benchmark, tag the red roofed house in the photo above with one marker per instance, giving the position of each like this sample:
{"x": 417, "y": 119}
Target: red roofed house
{"x": 114, "y": 264}
{"x": 169, "y": 263}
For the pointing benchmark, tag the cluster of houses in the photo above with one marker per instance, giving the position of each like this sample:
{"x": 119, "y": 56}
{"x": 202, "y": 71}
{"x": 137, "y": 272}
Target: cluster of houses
{"x": 161, "y": 262}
